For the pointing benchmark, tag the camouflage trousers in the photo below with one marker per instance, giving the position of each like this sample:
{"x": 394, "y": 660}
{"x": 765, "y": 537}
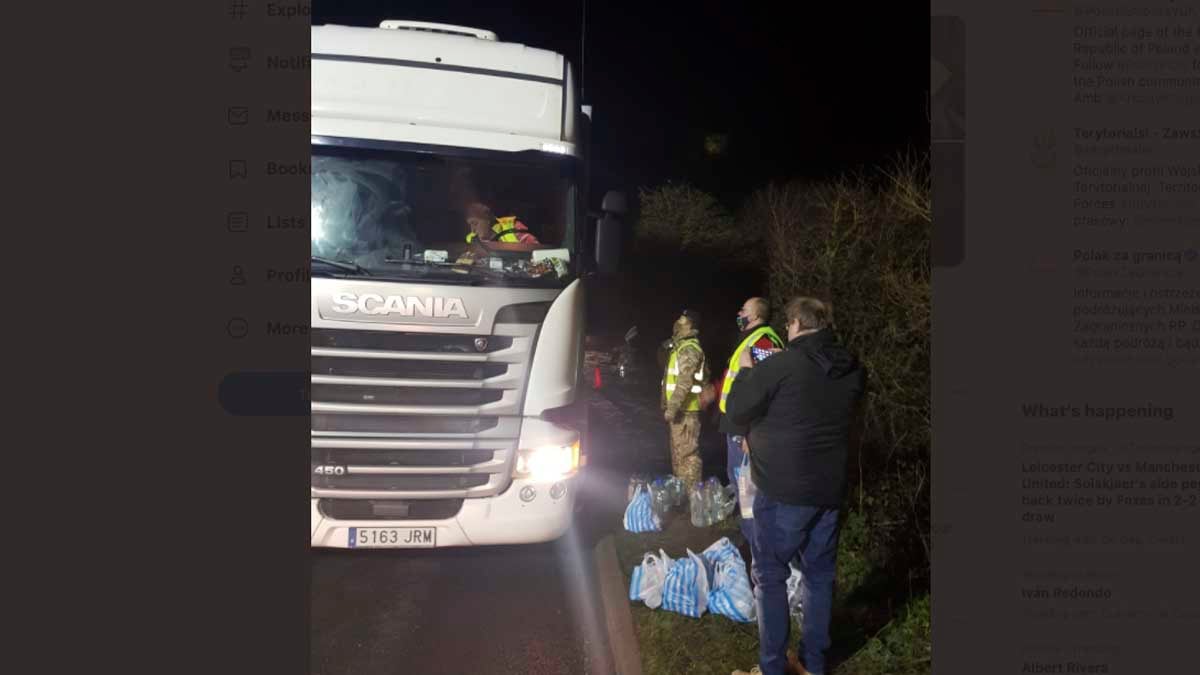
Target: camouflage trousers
{"x": 685, "y": 454}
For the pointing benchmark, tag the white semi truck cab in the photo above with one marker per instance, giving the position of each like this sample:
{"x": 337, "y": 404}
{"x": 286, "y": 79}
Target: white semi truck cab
{"x": 442, "y": 367}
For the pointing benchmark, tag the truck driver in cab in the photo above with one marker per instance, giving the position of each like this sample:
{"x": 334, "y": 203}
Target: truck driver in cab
{"x": 483, "y": 225}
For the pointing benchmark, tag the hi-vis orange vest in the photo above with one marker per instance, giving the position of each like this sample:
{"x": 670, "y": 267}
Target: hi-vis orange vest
{"x": 505, "y": 229}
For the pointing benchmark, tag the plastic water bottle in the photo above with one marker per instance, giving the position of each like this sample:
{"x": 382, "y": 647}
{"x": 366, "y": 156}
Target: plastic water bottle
{"x": 706, "y": 501}
{"x": 659, "y": 497}
{"x": 722, "y": 505}
{"x": 718, "y": 503}
{"x": 635, "y": 481}
{"x": 678, "y": 491}
{"x": 728, "y": 500}
{"x": 712, "y": 500}
{"x": 696, "y": 504}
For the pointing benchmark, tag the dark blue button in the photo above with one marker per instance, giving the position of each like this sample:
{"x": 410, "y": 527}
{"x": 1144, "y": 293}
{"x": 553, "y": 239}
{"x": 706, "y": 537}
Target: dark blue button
{"x": 265, "y": 394}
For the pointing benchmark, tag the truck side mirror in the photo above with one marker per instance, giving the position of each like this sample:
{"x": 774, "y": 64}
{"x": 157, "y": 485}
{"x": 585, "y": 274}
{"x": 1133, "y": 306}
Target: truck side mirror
{"x": 608, "y": 233}
{"x": 608, "y": 245}
{"x": 614, "y": 202}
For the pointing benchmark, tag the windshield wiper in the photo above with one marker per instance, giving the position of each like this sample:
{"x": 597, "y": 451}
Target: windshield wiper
{"x": 344, "y": 265}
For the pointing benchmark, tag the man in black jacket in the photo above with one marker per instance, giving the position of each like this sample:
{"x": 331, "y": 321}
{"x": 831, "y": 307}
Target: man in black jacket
{"x": 800, "y": 405}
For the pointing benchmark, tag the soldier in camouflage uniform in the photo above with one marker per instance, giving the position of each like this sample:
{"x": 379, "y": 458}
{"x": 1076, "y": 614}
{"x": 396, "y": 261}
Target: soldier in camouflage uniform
{"x": 686, "y": 368}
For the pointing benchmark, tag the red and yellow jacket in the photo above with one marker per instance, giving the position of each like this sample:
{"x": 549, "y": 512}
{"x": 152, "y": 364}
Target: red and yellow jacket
{"x": 508, "y": 230}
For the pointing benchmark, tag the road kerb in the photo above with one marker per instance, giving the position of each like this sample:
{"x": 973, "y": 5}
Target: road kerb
{"x": 617, "y": 616}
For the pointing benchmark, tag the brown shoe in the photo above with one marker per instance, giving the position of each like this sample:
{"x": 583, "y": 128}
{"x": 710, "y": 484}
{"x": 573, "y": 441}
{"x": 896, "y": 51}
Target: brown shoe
{"x": 794, "y": 665}
{"x": 793, "y": 668}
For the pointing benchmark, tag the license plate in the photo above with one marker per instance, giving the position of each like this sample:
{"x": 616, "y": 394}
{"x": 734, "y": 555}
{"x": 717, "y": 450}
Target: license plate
{"x": 393, "y": 537}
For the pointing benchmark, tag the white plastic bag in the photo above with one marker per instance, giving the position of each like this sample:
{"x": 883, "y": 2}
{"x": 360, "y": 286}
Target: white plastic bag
{"x": 746, "y": 489}
{"x": 722, "y": 549}
{"x": 730, "y": 593}
{"x": 649, "y": 577}
{"x": 686, "y": 588}
{"x": 639, "y": 514}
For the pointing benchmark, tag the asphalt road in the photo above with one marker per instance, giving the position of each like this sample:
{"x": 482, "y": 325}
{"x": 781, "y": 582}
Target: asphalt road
{"x": 530, "y": 609}
{"x": 495, "y": 610}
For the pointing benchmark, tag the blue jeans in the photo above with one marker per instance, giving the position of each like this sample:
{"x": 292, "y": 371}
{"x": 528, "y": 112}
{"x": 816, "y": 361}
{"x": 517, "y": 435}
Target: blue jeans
{"x": 734, "y": 457}
{"x": 783, "y": 531}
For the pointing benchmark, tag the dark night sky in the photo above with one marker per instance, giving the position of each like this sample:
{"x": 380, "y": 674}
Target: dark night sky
{"x": 801, "y": 91}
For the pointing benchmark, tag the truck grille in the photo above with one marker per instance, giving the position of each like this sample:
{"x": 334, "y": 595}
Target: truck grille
{"x": 373, "y": 457}
{"x": 399, "y": 482}
{"x": 390, "y": 509}
{"x": 409, "y": 342}
{"x": 406, "y": 424}
{"x": 404, "y": 395}
{"x": 400, "y": 418}
{"x": 395, "y": 368}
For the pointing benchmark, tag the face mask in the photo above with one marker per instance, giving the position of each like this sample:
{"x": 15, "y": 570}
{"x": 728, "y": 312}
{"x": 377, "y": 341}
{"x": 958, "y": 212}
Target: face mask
{"x": 680, "y": 326}
{"x": 742, "y": 322}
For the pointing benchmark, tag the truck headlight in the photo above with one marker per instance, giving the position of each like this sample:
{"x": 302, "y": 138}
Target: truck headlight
{"x": 547, "y": 463}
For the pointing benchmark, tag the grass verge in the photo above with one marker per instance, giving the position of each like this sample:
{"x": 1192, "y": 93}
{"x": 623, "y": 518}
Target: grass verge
{"x": 875, "y": 631}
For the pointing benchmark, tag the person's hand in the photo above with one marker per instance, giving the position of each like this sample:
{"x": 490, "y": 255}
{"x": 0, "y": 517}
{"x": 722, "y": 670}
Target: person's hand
{"x": 668, "y": 416}
{"x": 746, "y": 360}
{"x": 745, "y": 446}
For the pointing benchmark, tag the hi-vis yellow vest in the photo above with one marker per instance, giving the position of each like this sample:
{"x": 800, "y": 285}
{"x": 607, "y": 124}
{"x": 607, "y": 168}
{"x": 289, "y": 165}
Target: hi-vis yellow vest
{"x": 505, "y": 229}
{"x": 734, "y": 361}
{"x": 691, "y": 403}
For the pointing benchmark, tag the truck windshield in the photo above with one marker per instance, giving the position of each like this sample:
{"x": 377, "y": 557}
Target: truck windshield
{"x": 491, "y": 220}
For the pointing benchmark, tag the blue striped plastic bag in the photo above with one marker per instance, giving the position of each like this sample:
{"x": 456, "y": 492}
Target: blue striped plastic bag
{"x": 721, "y": 549}
{"x": 639, "y": 515}
{"x": 685, "y": 590}
{"x": 649, "y": 577}
{"x": 731, "y": 595}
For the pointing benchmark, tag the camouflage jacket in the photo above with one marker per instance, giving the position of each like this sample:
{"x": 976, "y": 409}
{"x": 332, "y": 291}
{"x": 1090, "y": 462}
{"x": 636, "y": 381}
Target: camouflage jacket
{"x": 689, "y": 361}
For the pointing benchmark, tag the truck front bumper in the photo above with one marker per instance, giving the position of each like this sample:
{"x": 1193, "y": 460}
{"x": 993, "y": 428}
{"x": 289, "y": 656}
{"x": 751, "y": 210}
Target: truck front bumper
{"x": 527, "y": 512}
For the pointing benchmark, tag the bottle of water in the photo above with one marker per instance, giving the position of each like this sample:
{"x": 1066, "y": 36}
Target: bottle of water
{"x": 728, "y": 500}
{"x": 678, "y": 491}
{"x": 696, "y": 504}
{"x": 714, "y": 503}
{"x": 706, "y": 502}
{"x": 658, "y": 497}
{"x": 712, "y": 500}
{"x": 635, "y": 481}
{"x": 721, "y": 501}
